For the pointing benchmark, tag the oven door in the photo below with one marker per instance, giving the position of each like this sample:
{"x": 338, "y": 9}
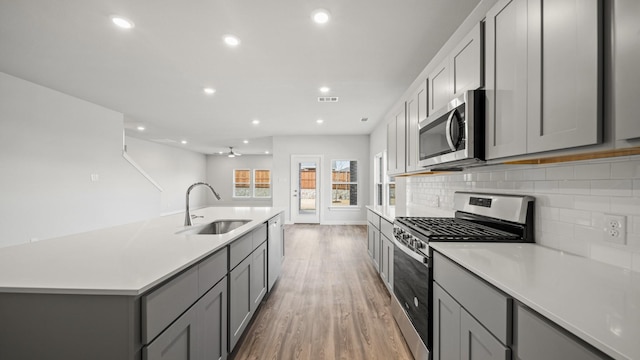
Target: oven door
{"x": 411, "y": 287}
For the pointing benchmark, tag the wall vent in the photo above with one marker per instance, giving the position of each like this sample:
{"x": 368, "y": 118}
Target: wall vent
{"x": 327, "y": 99}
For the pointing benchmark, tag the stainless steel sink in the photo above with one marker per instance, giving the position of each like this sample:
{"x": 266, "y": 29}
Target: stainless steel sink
{"x": 214, "y": 228}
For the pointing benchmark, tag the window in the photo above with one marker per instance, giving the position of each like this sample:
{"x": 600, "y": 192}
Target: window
{"x": 241, "y": 183}
{"x": 344, "y": 183}
{"x": 384, "y": 186}
{"x": 262, "y": 183}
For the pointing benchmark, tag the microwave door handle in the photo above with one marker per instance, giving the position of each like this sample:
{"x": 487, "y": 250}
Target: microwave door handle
{"x": 452, "y": 146}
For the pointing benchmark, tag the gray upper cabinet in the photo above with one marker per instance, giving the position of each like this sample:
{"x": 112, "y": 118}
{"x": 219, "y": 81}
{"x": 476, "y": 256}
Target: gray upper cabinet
{"x": 564, "y": 74}
{"x": 396, "y": 130}
{"x": 543, "y": 76}
{"x": 459, "y": 72}
{"x": 626, "y": 58}
{"x": 440, "y": 92}
{"x": 506, "y": 83}
{"x": 416, "y": 112}
{"x": 466, "y": 63}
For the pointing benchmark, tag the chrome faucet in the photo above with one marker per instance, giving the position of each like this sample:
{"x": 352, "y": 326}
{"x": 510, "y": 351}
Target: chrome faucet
{"x": 187, "y": 216}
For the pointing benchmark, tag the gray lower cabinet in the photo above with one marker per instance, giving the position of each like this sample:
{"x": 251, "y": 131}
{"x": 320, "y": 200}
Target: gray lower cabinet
{"x": 536, "y": 338}
{"x": 178, "y": 342}
{"x": 470, "y": 318}
{"x": 212, "y": 317}
{"x": 247, "y": 287}
{"x": 457, "y": 335}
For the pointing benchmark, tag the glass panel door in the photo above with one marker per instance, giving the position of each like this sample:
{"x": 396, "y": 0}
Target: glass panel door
{"x": 305, "y": 189}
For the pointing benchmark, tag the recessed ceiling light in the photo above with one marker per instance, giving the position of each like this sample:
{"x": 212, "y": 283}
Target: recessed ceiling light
{"x": 266, "y": 152}
{"x": 121, "y": 22}
{"x": 183, "y": 142}
{"x": 319, "y": 121}
{"x": 320, "y": 16}
{"x": 255, "y": 122}
{"x": 231, "y": 40}
{"x": 209, "y": 91}
{"x": 220, "y": 152}
{"x": 324, "y": 89}
{"x": 245, "y": 141}
{"x": 140, "y": 128}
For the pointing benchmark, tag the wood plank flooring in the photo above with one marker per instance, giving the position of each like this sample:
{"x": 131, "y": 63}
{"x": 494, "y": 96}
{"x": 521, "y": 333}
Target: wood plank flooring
{"x": 329, "y": 302}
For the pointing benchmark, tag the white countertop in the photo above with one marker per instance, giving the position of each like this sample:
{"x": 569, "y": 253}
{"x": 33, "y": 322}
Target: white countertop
{"x": 389, "y": 213}
{"x": 597, "y": 302}
{"x": 122, "y": 260}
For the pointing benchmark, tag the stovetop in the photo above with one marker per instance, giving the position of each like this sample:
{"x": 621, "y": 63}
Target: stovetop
{"x": 453, "y": 229}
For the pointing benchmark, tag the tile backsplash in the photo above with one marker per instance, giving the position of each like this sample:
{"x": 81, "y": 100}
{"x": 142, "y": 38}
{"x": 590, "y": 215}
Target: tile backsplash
{"x": 571, "y": 201}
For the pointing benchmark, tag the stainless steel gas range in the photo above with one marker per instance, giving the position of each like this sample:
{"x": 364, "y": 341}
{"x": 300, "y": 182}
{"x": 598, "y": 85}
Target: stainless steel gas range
{"x": 479, "y": 217}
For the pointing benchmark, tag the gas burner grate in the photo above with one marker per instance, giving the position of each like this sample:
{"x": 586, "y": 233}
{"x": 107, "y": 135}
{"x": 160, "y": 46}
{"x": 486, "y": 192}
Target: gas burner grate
{"x": 451, "y": 229}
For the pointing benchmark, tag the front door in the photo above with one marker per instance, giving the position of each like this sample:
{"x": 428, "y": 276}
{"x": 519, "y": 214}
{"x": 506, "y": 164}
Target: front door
{"x": 305, "y": 189}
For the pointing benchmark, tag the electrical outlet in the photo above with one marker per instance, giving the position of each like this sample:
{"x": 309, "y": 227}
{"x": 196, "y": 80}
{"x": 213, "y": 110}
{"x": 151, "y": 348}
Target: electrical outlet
{"x": 95, "y": 177}
{"x": 615, "y": 229}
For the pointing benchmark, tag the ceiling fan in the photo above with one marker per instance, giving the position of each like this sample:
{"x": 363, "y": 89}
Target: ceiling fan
{"x": 232, "y": 153}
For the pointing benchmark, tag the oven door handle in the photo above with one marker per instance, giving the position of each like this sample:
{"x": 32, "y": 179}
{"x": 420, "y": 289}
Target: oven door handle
{"x": 452, "y": 146}
{"x": 410, "y": 252}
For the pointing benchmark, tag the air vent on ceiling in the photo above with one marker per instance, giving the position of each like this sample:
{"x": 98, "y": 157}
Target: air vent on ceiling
{"x": 327, "y": 99}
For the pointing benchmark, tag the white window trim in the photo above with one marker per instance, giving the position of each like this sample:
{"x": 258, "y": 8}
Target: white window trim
{"x": 351, "y": 182}
{"x": 253, "y": 186}
{"x": 233, "y": 181}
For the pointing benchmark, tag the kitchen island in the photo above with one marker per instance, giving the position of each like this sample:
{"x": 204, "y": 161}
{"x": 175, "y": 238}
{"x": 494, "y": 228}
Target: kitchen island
{"x": 113, "y": 293}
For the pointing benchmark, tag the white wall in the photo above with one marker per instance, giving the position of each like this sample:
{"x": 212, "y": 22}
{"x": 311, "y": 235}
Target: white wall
{"x": 220, "y": 176}
{"x": 174, "y": 170}
{"x": 50, "y": 144}
{"x": 334, "y": 147}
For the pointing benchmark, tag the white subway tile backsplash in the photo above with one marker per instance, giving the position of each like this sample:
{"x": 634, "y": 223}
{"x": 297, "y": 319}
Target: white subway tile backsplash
{"x": 593, "y": 203}
{"x": 625, "y": 170}
{"x": 578, "y": 217}
{"x": 560, "y": 173}
{"x": 592, "y": 171}
{"x": 546, "y": 187}
{"x": 625, "y": 205}
{"x": 577, "y": 187}
{"x": 611, "y": 187}
{"x": 571, "y": 200}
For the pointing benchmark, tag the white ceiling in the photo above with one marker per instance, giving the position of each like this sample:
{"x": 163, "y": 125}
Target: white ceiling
{"x": 368, "y": 54}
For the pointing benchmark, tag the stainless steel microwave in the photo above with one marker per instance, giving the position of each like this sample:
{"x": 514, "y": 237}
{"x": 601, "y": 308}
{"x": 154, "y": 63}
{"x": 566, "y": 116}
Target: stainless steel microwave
{"x": 453, "y": 137}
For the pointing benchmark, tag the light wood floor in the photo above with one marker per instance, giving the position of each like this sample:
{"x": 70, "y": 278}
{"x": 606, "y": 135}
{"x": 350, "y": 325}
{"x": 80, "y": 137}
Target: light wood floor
{"x": 329, "y": 302}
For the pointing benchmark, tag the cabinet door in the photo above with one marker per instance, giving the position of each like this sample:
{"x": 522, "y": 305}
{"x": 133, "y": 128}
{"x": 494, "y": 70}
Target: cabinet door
{"x": 477, "y": 343}
{"x": 392, "y": 143}
{"x": 506, "y": 79}
{"x": 416, "y": 112}
{"x": 466, "y": 63}
{"x": 178, "y": 342}
{"x": 376, "y": 250}
{"x": 239, "y": 300}
{"x": 626, "y": 57}
{"x": 440, "y": 92}
{"x": 387, "y": 258}
{"x": 446, "y": 325}
{"x": 564, "y": 72}
{"x": 258, "y": 276}
{"x": 535, "y": 338}
{"x": 384, "y": 267}
{"x": 370, "y": 239}
{"x": 212, "y": 317}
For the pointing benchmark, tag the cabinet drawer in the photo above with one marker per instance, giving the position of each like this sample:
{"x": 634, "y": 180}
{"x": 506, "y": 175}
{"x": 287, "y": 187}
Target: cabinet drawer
{"x": 259, "y": 235}
{"x": 163, "y": 305}
{"x": 386, "y": 228}
{"x": 488, "y": 305}
{"x": 240, "y": 249}
{"x": 211, "y": 270}
{"x": 374, "y": 219}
